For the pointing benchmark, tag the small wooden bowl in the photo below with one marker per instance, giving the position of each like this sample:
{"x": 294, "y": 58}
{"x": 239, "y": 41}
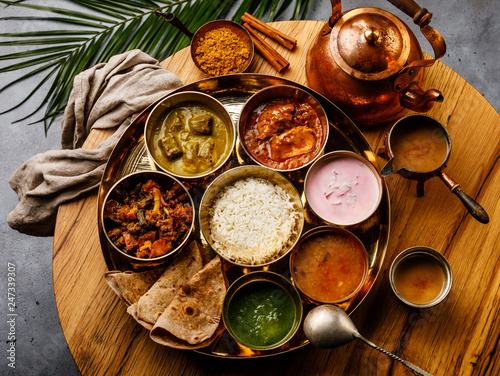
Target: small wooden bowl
{"x": 237, "y": 29}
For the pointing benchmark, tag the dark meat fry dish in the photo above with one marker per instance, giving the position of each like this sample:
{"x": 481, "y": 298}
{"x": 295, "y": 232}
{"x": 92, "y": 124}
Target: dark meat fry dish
{"x": 283, "y": 133}
{"x": 148, "y": 221}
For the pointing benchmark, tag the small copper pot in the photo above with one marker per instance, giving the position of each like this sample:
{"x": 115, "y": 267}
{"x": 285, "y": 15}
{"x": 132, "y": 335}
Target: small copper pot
{"x": 410, "y": 123}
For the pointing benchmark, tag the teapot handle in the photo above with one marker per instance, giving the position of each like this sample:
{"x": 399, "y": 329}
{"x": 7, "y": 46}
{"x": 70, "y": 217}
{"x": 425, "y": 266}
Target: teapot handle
{"x": 421, "y": 17}
{"x": 336, "y": 12}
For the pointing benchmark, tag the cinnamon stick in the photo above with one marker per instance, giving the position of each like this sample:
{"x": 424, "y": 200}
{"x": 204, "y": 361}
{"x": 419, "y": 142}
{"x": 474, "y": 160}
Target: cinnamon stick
{"x": 270, "y": 54}
{"x": 283, "y": 39}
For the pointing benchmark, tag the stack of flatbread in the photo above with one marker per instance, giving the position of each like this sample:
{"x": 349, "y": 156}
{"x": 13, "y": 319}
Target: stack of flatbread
{"x": 181, "y": 305}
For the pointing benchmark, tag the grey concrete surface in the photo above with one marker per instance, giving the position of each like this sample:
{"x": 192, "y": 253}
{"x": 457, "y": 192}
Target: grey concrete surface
{"x": 470, "y": 28}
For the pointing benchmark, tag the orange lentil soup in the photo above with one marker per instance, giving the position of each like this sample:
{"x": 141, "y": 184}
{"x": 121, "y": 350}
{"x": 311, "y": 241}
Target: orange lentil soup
{"x": 329, "y": 266}
{"x": 419, "y": 279}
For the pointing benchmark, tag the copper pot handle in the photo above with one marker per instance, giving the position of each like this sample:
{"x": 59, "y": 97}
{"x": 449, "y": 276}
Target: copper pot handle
{"x": 471, "y": 205}
{"x": 413, "y": 10}
{"x": 422, "y": 17}
{"x": 336, "y": 12}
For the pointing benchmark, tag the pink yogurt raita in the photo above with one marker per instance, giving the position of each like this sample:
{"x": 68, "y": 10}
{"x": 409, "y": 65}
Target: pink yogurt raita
{"x": 343, "y": 191}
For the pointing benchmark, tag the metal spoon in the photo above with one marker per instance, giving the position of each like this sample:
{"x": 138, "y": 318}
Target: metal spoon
{"x": 328, "y": 326}
{"x": 172, "y": 18}
{"x": 387, "y": 169}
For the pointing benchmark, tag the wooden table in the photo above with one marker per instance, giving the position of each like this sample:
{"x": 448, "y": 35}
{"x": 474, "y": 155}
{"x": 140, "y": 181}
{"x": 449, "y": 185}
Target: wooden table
{"x": 457, "y": 337}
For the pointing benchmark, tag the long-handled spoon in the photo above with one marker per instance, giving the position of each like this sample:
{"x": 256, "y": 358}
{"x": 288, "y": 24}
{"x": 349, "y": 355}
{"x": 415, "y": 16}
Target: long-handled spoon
{"x": 328, "y": 326}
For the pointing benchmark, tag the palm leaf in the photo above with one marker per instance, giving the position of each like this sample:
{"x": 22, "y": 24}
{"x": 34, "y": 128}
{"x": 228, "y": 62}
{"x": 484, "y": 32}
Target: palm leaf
{"x": 43, "y": 68}
{"x": 65, "y": 12}
{"x": 22, "y": 78}
{"x": 29, "y": 63}
{"x": 46, "y": 33}
{"x": 102, "y": 29}
{"x": 71, "y": 21}
{"x": 45, "y": 41}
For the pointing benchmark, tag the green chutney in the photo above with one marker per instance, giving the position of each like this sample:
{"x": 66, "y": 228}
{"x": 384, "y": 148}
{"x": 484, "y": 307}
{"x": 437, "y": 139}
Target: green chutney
{"x": 261, "y": 314}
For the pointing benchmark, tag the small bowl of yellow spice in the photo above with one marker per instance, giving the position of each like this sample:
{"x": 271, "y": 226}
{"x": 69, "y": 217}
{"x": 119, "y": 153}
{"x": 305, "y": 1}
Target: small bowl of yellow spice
{"x": 222, "y": 47}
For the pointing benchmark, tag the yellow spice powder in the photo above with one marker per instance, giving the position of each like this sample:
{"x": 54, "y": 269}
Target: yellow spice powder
{"x": 221, "y": 52}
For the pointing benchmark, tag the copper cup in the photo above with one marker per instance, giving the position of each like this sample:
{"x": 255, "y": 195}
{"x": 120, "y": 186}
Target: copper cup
{"x": 410, "y": 123}
{"x": 430, "y": 255}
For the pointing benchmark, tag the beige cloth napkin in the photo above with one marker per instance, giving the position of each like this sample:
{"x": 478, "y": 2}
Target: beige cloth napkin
{"x": 108, "y": 95}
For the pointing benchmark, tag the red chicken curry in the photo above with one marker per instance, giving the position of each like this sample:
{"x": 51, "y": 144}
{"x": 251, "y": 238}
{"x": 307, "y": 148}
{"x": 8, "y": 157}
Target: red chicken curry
{"x": 283, "y": 133}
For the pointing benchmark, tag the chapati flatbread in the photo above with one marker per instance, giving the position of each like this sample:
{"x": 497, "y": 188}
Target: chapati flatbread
{"x": 165, "y": 338}
{"x": 152, "y": 304}
{"x": 132, "y": 311}
{"x": 192, "y": 318}
{"x": 130, "y": 286}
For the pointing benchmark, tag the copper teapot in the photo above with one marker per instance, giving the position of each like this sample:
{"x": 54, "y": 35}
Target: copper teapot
{"x": 369, "y": 63}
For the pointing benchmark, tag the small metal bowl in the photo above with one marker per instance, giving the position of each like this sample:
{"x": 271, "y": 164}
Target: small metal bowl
{"x": 318, "y": 204}
{"x": 228, "y": 178}
{"x": 237, "y": 29}
{"x": 246, "y": 283}
{"x": 160, "y": 112}
{"x": 283, "y": 91}
{"x": 427, "y": 254}
{"x": 125, "y": 185}
{"x": 312, "y": 294}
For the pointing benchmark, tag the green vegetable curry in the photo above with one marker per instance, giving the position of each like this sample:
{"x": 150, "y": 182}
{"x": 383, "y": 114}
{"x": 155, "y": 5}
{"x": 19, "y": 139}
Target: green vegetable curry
{"x": 192, "y": 140}
{"x": 261, "y": 314}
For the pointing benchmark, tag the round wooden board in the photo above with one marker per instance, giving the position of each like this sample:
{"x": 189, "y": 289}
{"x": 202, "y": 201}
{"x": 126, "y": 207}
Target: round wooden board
{"x": 459, "y": 336}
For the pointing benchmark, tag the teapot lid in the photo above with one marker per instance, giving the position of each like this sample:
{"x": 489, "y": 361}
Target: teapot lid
{"x": 370, "y": 43}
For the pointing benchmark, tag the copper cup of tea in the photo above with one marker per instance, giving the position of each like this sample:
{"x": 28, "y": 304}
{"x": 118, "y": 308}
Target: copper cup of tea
{"x": 420, "y": 277}
{"x": 418, "y": 147}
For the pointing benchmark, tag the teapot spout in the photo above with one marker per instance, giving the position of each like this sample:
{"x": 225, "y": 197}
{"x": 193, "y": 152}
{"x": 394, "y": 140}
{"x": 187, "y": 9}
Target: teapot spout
{"x": 416, "y": 99}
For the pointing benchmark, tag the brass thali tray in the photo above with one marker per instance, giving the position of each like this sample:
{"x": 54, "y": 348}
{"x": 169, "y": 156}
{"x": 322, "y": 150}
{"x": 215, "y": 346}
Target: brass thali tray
{"x": 130, "y": 155}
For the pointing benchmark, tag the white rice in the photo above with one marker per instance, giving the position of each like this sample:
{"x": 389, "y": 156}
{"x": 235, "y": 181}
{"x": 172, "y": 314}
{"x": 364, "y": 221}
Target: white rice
{"x": 252, "y": 221}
